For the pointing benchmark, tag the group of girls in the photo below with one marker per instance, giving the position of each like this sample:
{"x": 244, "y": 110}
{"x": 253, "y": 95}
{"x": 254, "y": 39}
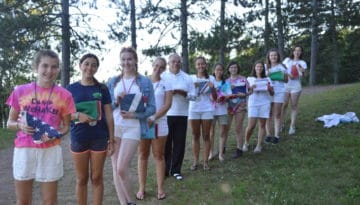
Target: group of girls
{"x": 171, "y": 99}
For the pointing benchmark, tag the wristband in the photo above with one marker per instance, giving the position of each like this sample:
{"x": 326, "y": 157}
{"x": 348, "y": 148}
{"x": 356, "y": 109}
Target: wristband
{"x": 77, "y": 115}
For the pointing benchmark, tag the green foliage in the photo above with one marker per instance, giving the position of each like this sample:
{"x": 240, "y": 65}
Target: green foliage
{"x": 6, "y": 138}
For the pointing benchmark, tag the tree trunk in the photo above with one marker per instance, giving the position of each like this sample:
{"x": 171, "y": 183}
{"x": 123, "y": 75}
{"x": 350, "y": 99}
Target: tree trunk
{"x": 184, "y": 37}
{"x": 65, "y": 42}
{"x": 314, "y": 42}
{"x": 133, "y": 24}
{"x": 335, "y": 55}
{"x": 280, "y": 27}
{"x": 222, "y": 33}
{"x": 267, "y": 28}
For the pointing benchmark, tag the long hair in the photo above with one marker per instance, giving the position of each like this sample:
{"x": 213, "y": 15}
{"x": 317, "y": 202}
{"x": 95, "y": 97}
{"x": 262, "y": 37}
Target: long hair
{"x": 44, "y": 53}
{"x": 205, "y": 71}
{"x": 267, "y": 60}
{"x": 233, "y": 63}
{"x": 222, "y": 76}
{"x": 90, "y": 55}
{"x": 292, "y": 52}
{"x": 253, "y": 71}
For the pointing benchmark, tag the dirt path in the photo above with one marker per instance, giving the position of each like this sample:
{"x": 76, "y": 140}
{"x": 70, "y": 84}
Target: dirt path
{"x": 66, "y": 186}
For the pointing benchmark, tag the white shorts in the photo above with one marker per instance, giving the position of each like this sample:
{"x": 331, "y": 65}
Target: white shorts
{"x": 293, "y": 88}
{"x": 261, "y": 111}
{"x": 133, "y": 133}
{"x": 41, "y": 164}
{"x": 209, "y": 115}
{"x": 279, "y": 97}
{"x": 162, "y": 128}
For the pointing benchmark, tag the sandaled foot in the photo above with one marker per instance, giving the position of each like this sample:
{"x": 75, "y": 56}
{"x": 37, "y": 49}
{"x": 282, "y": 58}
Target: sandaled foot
{"x": 140, "y": 195}
{"x": 206, "y": 167}
{"x": 221, "y": 158}
{"x": 161, "y": 196}
{"x": 194, "y": 167}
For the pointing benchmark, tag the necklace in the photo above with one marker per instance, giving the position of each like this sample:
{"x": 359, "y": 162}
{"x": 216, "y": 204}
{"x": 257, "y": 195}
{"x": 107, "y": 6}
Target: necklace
{"x": 47, "y": 102}
{"x": 124, "y": 86}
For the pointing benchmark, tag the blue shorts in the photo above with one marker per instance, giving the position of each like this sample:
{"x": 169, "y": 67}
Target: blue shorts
{"x": 88, "y": 143}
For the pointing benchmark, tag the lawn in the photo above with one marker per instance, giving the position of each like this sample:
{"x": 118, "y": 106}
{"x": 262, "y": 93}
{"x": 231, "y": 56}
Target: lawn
{"x": 315, "y": 166}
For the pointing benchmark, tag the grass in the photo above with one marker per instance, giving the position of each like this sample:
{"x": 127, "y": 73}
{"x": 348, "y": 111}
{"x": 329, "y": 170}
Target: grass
{"x": 6, "y": 138}
{"x": 316, "y": 166}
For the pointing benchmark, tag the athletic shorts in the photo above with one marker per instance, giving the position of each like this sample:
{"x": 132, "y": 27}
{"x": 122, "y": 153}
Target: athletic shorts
{"x": 133, "y": 133}
{"x": 293, "y": 88}
{"x": 261, "y": 111}
{"x": 41, "y": 164}
{"x": 97, "y": 144}
{"x": 209, "y": 115}
{"x": 223, "y": 119}
{"x": 279, "y": 97}
{"x": 162, "y": 128}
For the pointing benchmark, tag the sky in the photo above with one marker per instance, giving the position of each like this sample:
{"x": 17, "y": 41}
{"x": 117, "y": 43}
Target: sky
{"x": 111, "y": 61}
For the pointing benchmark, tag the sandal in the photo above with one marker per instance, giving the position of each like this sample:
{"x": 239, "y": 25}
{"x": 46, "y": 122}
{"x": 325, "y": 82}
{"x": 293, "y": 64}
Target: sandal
{"x": 140, "y": 195}
{"x": 161, "y": 196}
{"x": 206, "y": 167}
{"x": 178, "y": 176}
{"x": 194, "y": 167}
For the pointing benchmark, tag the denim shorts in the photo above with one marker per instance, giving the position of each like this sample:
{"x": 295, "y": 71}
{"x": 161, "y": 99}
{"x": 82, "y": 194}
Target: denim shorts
{"x": 88, "y": 143}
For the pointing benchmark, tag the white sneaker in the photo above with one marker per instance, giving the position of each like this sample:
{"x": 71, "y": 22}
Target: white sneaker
{"x": 292, "y": 130}
{"x": 245, "y": 147}
{"x": 257, "y": 149}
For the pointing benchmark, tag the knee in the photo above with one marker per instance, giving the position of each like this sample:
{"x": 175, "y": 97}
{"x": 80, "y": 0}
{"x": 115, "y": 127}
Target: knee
{"x": 97, "y": 180}
{"x": 82, "y": 180}
{"x": 121, "y": 172}
{"x": 143, "y": 156}
{"x": 159, "y": 157}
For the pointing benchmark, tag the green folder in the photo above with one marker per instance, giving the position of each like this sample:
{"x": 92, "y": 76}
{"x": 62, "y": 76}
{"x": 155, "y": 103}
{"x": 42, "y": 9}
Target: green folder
{"x": 91, "y": 108}
{"x": 277, "y": 76}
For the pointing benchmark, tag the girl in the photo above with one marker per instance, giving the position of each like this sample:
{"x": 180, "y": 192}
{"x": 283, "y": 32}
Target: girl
{"x": 258, "y": 104}
{"x": 163, "y": 97}
{"x": 201, "y": 111}
{"x": 52, "y": 104}
{"x": 278, "y": 75}
{"x": 223, "y": 90}
{"x": 296, "y": 68}
{"x": 130, "y": 126}
{"x": 237, "y": 104}
{"x": 90, "y": 138}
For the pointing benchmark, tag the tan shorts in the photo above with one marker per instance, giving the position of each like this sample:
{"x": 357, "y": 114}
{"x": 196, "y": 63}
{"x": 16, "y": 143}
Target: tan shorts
{"x": 41, "y": 164}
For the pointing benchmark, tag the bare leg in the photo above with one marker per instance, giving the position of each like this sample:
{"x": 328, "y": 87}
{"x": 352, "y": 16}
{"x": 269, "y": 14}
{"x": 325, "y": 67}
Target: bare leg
{"x": 144, "y": 152}
{"x": 206, "y": 125}
{"x": 49, "y": 192}
{"x": 269, "y": 121}
{"x": 284, "y": 108}
{"x": 249, "y": 129}
{"x": 97, "y": 169}
{"x": 261, "y": 132}
{"x": 239, "y": 119}
{"x": 158, "y": 148}
{"x": 277, "y": 118}
{"x": 212, "y": 139}
{"x": 195, "y": 127}
{"x": 222, "y": 143}
{"x": 294, "y": 107}
{"x": 81, "y": 164}
{"x": 23, "y": 190}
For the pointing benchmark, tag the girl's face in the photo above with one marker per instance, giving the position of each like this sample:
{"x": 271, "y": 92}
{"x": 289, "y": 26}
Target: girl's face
{"x": 47, "y": 70}
{"x": 218, "y": 71}
{"x": 174, "y": 63}
{"x": 273, "y": 57}
{"x": 200, "y": 65}
{"x": 128, "y": 62}
{"x": 158, "y": 66}
{"x": 297, "y": 52}
{"x": 258, "y": 69}
{"x": 89, "y": 67}
{"x": 233, "y": 69}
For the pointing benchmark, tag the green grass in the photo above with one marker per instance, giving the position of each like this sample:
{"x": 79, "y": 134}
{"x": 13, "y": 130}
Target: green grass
{"x": 316, "y": 166}
{"x": 6, "y": 138}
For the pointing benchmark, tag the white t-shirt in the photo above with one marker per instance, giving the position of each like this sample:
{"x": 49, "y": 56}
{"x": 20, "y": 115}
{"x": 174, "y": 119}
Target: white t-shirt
{"x": 289, "y": 63}
{"x": 258, "y": 98}
{"x": 203, "y": 101}
{"x": 182, "y": 81}
{"x": 160, "y": 88}
{"x": 279, "y": 86}
{"x": 129, "y": 86}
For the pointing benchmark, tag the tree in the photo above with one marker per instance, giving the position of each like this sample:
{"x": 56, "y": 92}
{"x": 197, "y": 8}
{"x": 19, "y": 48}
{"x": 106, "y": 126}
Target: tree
{"x": 314, "y": 42}
{"x": 280, "y": 26}
{"x": 184, "y": 37}
{"x": 65, "y": 41}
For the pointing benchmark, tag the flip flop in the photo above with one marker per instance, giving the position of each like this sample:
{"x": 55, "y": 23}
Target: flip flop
{"x": 161, "y": 196}
{"x": 140, "y": 195}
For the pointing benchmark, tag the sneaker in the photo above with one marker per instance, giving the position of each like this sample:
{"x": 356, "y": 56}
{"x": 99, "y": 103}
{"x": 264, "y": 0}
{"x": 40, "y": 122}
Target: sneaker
{"x": 237, "y": 154}
{"x": 268, "y": 139}
{"x": 276, "y": 140}
{"x": 292, "y": 130}
{"x": 257, "y": 149}
{"x": 245, "y": 147}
